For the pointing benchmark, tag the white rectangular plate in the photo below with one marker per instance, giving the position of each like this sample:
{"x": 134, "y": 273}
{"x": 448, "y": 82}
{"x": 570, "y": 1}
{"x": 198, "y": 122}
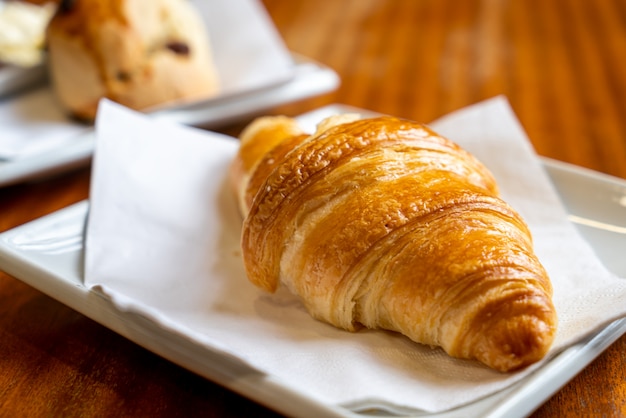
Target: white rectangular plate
{"x": 47, "y": 254}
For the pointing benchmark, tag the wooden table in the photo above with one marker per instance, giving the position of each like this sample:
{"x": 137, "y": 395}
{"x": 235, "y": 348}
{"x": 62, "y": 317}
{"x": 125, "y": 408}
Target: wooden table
{"x": 561, "y": 65}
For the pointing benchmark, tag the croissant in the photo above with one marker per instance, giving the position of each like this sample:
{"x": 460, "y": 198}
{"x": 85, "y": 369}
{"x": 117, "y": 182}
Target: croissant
{"x": 384, "y": 224}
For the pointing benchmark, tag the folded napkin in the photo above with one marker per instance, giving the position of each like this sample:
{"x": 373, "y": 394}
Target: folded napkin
{"x": 163, "y": 241}
{"x": 247, "y": 50}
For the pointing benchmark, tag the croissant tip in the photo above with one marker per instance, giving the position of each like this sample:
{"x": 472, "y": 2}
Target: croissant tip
{"x": 516, "y": 344}
{"x": 269, "y": 286}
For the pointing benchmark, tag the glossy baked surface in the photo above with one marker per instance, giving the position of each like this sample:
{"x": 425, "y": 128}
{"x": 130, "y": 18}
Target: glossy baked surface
{"x": 383, "y": 223}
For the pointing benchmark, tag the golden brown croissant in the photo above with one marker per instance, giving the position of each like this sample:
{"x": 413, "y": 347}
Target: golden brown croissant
{"x": 385, "y": 224}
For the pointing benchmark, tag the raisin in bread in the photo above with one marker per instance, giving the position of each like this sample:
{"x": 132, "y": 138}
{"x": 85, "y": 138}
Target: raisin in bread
{"x": 140, "y": 53}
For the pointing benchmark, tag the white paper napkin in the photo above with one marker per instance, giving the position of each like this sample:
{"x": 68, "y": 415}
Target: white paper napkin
{"x": 247, "y": 50}
{"x": 163, "y": 240}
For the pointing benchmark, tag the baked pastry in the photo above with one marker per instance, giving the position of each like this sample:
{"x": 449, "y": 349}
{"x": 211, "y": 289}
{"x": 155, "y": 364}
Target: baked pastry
{"x": 383, "y": 223}
{"x": 140, "y": 53}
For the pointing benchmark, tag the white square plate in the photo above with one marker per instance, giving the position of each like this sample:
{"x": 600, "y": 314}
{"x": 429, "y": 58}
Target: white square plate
{"x": 48, "y": 254}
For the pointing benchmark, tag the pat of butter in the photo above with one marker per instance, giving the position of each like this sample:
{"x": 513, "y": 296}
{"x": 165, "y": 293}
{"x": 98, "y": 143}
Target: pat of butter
{"x": 22, "y": 32}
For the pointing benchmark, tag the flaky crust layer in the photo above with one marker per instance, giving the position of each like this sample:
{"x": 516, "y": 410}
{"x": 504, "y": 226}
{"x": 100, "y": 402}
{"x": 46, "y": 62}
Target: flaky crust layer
{"x": 385, "y": 224}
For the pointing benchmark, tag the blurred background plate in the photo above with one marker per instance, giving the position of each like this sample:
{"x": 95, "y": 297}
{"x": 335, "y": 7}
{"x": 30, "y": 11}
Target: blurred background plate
{"x": 13, "y": 79}
{"x": 309, "y": 79}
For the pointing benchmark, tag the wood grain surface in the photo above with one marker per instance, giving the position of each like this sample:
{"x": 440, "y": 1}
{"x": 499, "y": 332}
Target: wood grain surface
{"x": 561, "y": 64}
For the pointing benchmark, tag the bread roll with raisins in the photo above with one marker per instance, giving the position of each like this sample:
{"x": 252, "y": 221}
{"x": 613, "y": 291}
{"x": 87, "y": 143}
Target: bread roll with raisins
{"x": 140, "y": 53}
